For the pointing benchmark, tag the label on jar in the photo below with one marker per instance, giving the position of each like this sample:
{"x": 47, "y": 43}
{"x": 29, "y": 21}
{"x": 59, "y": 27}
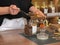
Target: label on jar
{"x": 34, "y": 29}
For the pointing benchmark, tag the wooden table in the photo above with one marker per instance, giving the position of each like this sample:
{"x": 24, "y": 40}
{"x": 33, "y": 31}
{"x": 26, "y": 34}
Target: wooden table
{"x": 13, "y": 37}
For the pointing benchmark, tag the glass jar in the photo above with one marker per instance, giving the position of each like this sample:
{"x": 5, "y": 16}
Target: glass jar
{"x": 42, "y": 35}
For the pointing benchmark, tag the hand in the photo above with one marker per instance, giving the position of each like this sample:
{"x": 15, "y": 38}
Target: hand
{"x": 37, "y": 12}
{"x": 14, "y": 10}
{"x": 40, "y": 14}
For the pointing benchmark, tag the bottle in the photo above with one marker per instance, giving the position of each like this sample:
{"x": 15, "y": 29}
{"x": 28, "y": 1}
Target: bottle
{"x": 44, "y": 8}
{"x": 42, "y": 35}
{"x": 33, "y": 23}
{"x": 31, "y": 28}
{"x": 34, "y": 28}
{"x": 51, "y": 7}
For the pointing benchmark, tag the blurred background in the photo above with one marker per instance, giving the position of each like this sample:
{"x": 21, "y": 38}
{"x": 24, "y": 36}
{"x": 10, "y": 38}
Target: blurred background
{"x": 49, "y": 6}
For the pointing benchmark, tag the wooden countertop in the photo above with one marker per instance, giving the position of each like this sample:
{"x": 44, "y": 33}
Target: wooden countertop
{"x": 13, "y": 37}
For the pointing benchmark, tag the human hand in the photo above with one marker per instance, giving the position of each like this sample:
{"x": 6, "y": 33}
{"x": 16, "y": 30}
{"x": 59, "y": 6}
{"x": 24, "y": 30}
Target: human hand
{"x": 40, "y": 14}
{"x": 37, "y": 12}
{"x": 14, "y": 10}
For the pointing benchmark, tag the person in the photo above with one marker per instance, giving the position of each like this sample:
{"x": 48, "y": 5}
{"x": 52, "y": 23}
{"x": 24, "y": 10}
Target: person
{"x": 13, "y": 9}
{"x": 9, "y": 10}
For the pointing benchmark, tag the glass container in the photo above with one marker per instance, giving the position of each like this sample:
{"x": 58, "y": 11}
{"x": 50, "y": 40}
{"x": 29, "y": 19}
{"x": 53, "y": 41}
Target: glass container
{"x": 42, "y": 35}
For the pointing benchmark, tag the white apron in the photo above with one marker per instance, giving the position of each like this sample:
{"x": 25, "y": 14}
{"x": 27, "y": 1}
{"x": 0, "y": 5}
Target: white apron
{"x": 18, "y": 23}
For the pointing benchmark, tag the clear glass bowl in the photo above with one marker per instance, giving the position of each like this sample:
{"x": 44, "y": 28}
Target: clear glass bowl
{"x": 42, "y": 36}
